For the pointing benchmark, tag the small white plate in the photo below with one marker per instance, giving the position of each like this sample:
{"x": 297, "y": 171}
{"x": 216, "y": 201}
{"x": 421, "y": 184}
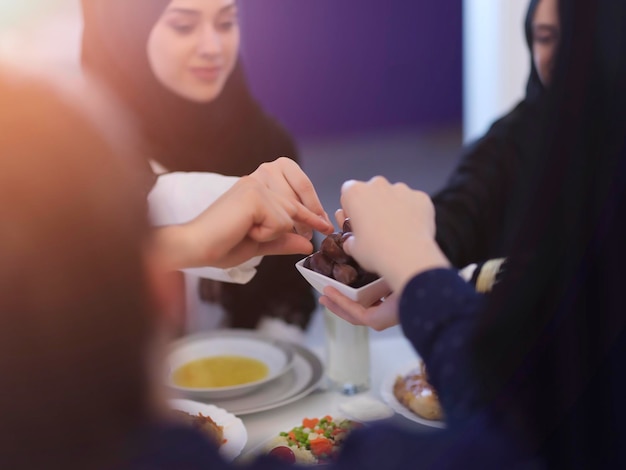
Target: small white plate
{"x": 386, "y": 392}
{"x": 366, "y": 295}
{"x": 277, "y": 358}
{"x": 235, "y": 432}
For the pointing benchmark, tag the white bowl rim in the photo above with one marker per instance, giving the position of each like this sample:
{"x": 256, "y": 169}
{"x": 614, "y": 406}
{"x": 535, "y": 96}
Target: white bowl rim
{"x": 335, "y": 281}
{"x": 214, "y": 334}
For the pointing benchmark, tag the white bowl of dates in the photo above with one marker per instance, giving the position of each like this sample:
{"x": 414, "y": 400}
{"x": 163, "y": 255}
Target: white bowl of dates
{"x": 331, "y": 266}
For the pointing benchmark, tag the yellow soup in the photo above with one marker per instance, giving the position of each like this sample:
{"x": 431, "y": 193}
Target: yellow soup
{"x": 219, "y": 371}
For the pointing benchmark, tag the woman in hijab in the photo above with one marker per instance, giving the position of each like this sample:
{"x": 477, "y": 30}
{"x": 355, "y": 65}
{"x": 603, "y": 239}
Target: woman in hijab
{"x": 176, "y": 65}
{"x": 546, "y": 350}
{"x": 478, "y": 209}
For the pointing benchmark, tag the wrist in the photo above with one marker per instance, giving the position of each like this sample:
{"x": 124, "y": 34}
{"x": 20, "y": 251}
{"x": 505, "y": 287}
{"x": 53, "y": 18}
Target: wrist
{"x": 177, "y": 247}
{"x": 424, "y": 256}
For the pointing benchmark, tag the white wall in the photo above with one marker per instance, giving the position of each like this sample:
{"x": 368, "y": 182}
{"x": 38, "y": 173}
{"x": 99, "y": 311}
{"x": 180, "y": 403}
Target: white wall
{"x": 46, "y": 33}
{"x": 496, "y": 61}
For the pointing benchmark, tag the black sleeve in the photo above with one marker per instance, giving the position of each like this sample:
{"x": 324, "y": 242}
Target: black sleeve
{"x": 471, "y": 208}
{"x": 277, "y": 290}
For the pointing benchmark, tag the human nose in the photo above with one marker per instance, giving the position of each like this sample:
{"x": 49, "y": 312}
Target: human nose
{"x": 209, "y": 43}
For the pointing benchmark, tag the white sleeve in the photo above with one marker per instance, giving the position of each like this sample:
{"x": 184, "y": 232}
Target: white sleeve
{"x": 179, "y": 197}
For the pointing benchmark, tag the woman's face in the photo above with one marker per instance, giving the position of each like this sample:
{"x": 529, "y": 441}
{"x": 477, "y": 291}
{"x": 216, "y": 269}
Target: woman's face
{"x": 193, "y": 47}
{"x": 546, "y": 35}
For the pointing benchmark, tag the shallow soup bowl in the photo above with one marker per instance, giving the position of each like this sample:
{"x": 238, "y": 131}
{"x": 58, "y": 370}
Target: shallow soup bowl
{"x": 217, "y": 357}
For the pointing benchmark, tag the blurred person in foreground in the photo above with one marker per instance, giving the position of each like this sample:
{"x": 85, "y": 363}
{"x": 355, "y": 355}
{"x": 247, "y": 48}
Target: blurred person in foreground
{"x": 531, "y": 377}
{"x": 86, "y": 305}
{"x": 177, "y": 65}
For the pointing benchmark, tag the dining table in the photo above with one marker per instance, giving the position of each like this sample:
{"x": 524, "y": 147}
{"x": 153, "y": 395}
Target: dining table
{"x": 389, "y": 349}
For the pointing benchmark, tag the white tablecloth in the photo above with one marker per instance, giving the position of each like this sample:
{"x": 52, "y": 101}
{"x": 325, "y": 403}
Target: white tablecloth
{"x": 389, "y": 351}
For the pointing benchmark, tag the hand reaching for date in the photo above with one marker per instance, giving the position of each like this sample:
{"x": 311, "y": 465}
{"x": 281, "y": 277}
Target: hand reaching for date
{"x": 393, "y": 229}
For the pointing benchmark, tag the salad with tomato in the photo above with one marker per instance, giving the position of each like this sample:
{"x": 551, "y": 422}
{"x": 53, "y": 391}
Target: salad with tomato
{"x": 314, "y": 441}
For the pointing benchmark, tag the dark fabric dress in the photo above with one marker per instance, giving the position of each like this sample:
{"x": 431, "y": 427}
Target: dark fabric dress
{"x": 231, "y": 135}
{"x": 478, "y": 209}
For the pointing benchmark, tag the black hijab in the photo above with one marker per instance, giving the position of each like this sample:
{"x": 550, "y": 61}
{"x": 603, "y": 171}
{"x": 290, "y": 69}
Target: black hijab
{"x": 552, "y": 346}
{"x": 231, "y": 135}
{"x": 477, "y": 210}
{"x": 534, "y": 87}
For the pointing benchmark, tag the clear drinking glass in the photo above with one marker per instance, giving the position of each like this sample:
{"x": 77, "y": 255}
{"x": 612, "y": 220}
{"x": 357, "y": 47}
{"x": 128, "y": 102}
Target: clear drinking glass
{"x": 347, "y": 355}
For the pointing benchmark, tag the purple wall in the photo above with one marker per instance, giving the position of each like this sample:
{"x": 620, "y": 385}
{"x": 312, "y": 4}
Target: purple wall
{"x": 326, "y": 67}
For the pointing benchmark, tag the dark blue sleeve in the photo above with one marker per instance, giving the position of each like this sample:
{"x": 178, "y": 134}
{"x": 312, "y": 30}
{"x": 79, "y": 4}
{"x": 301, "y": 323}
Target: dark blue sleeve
{"x": 438, "y": 313}
{"x": 169, "y": 446}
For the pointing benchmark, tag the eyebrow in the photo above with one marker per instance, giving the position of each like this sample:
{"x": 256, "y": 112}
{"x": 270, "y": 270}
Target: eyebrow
{"x": 183, "y": 11}
{"x": 227, "y": 9}
{"x": 191, "y": 12}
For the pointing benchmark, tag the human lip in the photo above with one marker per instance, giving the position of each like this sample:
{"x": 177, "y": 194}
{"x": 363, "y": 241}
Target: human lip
{"x": 206, "y": 74}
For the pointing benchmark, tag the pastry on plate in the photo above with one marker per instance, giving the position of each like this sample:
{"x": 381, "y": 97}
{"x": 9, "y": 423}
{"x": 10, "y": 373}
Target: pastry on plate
{"x": 415, "y": 392}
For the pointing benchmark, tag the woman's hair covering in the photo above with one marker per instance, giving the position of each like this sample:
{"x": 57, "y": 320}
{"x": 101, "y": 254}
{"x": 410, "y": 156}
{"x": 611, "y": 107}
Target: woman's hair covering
{"x": 75, "y": 314}
{"x": 552, "y": 344}
{"x": 232, "y": 135}
{"x": 534, "y": 87}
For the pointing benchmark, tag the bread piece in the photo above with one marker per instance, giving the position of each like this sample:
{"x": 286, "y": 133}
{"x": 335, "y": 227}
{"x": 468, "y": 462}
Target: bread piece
{"x": 414, "y": 392}
{"x": 205, "y": 424}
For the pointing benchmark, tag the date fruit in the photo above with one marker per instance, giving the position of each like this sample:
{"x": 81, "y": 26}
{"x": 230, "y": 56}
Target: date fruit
{"x": 332, "y": 261}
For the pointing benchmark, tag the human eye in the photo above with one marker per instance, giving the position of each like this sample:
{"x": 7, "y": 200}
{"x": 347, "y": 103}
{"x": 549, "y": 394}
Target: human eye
{"x": 182, "y": 27}
{"x": 545, "y": 39}
{"x": 181, "y": 21}
{"x": 226, "y": 24}
{"x": 545, "y": 36}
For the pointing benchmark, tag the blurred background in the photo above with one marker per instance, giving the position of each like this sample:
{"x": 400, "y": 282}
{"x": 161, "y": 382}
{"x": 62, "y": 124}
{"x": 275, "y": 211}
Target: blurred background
{"x": 366, "y": 87}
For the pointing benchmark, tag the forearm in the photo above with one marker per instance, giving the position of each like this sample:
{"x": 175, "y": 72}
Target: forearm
{"x": 423, "y": 256}
{"x": 176, "y": 247}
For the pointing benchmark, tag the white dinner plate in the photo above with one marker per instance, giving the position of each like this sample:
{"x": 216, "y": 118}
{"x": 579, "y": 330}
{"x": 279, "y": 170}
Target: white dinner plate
{"x": 304, "y": 376}
{"x": 235, "y": 432}
{"x": 386, "y": 392}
